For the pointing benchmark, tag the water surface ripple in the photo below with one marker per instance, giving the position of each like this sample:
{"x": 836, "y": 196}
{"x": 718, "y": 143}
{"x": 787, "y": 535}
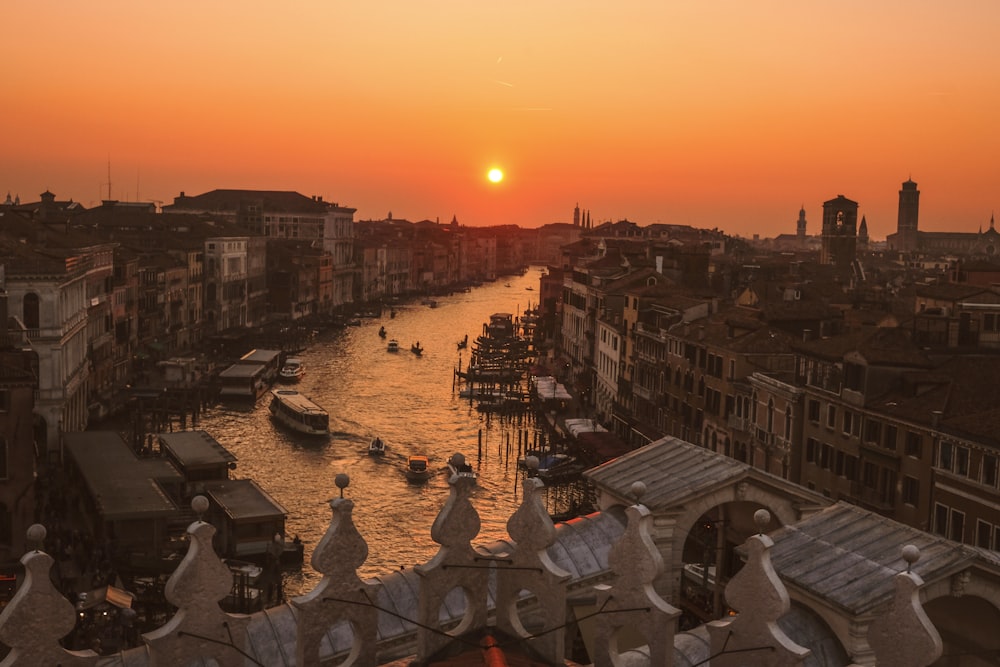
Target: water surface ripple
{"x": 412, "y": 402}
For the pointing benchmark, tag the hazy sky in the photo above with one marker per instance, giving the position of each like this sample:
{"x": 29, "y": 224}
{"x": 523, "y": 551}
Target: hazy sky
{"x": 728, "y": 114}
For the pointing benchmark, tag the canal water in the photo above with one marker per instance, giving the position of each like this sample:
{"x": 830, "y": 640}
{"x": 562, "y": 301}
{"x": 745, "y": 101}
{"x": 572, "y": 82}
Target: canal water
{"x": 412, "y": 402}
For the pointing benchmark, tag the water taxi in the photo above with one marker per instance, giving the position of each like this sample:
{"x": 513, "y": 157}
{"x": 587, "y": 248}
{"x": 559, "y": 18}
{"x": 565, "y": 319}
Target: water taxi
{"x": 292, "y": 371}
{"x": 299, "y": 413}
{"x": 393, "y": 346}
{"x": 417, "y": 470}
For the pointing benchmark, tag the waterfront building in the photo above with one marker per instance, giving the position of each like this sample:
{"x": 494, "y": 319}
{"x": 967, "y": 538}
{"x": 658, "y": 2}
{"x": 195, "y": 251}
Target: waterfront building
{"x": 284, "y": 215}
{"x": 58, "y": 284}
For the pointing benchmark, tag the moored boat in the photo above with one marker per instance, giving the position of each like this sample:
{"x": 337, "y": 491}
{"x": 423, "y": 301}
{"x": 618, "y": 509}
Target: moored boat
{"x": 376, "y": 447}
{"x": 298, "y": 412}
{"x": 292, "y": 371}
{"x": 417, "y": 470}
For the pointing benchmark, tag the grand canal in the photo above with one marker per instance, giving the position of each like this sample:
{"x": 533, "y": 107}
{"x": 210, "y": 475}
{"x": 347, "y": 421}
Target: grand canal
{"x": 410, "y": 401}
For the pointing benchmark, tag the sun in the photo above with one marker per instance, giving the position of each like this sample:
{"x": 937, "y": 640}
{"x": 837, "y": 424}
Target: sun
{"x": 495, "y": 175}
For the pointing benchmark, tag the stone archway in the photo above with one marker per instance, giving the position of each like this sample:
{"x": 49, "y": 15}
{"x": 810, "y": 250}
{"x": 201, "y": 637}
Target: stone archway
{"x": 967, "y": 624}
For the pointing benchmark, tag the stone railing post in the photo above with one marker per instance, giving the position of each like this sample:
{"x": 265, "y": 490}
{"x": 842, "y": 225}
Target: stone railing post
{"x": 200, "y": 628}
{"x": 38, "y": 616}
{"x": 904, "y": 636}
{"x": 752, "y": 638}
{"x": 630, "y": 604}
{"x": 341, "y": 595}
{"x": 455, "y": 566}
{"x": 530, "y": 568}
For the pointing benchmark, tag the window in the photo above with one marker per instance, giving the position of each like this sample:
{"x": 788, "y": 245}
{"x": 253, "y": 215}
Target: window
{"x": 962, "y": 461}
{"x": 814, "y": 411}
{"x": 941, "y": 519}
{"x": 848, "y": 421}
{"x": 989, "y": 470}
{"x": 4, "y": 469}
{"x": 890, "y": 437}
{"x": 873, "y": 430}
{"x": 984, "y": 534}
{"x": 30, "y": 311}
{"x": 811, "y": 447}
{"x": 911, "y": 491}
{"x": 826, "y": 457}
{"x": 957, "y": 528}
{"x": 914, "y": 444}
{"x": 945, "y": 456}
{"x": 831, "y": 416}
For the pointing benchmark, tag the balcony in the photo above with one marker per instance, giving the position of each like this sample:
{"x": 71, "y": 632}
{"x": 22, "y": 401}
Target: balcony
{"x": 643, "y": 392}
{"x": 740, "y": 424}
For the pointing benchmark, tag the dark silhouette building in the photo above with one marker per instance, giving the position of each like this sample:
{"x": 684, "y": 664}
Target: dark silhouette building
{"x": 840, "y": 232}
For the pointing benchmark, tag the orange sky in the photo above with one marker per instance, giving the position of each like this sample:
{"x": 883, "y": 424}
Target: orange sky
{"x": 727, "y": 114}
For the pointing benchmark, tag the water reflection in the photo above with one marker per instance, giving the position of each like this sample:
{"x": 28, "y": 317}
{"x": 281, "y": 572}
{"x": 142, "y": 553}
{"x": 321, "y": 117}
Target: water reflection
{"x": 411, "y": 402}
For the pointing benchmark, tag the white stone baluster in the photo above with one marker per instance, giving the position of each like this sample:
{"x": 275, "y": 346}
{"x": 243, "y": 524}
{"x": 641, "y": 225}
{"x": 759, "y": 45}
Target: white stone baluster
{"x": 631, "y": 603}
{"x": 454, "y": 566}
{"x": 200, "y": 628}
{"x": 752, "y": 638}
{"x": 530, "y": 568}
{"x": 341, "y": 595}
{"x": 38, "y": 616}
{"x": 904, "y": 636}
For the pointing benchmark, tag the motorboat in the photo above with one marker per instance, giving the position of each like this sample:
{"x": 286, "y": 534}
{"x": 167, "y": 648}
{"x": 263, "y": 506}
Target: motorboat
{"x": 376, "y": 447}
{"x": 298, "y": 412}
{"x": 417, "y": 470}
{"x": 458, "y": 467}
{"x": 292, "y": 370}
{"x": 392, "y": 346}
{"x": 416, "y": 349}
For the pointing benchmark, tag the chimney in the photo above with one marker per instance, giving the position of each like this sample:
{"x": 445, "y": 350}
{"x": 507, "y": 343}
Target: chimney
{"x": 936, "y": 418}
{"x": 807, "y": 335}
{"x": 701, "y": 332}
{"x": 659, "y": 263}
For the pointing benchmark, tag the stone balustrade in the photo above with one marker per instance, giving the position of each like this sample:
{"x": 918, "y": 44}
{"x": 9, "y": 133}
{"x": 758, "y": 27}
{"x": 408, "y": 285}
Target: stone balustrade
{"x": 344, "y": 618}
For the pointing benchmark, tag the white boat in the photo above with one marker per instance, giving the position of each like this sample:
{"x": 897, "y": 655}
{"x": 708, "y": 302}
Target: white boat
{"x": 292, "y": 371}
{"x": 457, "y": 467}
{"x": 392, "y": 346}
{"x": 417, "y": 469}
{"x": 376, "y": 447}
{"x": 299, "y": 413}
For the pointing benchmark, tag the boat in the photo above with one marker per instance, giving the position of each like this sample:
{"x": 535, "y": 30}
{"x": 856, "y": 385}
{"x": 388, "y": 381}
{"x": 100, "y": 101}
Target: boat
{"x": 292, "y": 371}
{"x": 298, "y": 412}
{"x": 464, "y": 343}
{"x": 549, "y": 464}
{"x": 416, "y": 349}
{"x": 381, "y": 332}
{"x": 393, "y": 346}
{"x": 458, "y": 467}
{"x": 376, "y": 447}
{"x": 417, "y": 470}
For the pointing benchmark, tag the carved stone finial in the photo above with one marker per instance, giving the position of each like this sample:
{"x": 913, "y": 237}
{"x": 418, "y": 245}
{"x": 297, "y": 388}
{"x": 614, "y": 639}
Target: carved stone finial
{"x": 530, "y": 568}
{"x": 342, "y": 480}
{"x": 531, "y": 463}
{"x": 904, "y": 636}
{"x": 200, "y": 505}
{"x": 36, "y": 536}
{"x": 341, "y": 595}
{"x": 911, "y": 554}
{"x": 196, "y": 587}
{"x": 753, "y": 638}
{"x": 38, "y": 616}
{"x": 761, "y": 518}
{"x": 637, "y": 490}
{"x": 630, "y": 602}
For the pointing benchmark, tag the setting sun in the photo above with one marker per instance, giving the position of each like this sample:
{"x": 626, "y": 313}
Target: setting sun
{"x": 495, "y": 175}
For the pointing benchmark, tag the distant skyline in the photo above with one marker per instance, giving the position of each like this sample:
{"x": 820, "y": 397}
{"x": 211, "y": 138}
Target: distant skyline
{"x": 727, "y": 114}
